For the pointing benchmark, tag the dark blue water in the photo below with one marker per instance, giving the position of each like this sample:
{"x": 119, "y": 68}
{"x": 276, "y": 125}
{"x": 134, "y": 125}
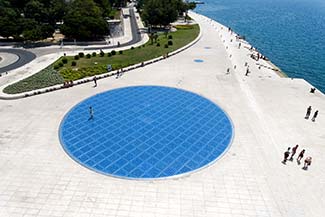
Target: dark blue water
{"x": 290, "y": 33}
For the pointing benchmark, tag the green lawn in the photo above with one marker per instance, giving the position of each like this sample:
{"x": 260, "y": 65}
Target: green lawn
{"x": 86, "y": 67}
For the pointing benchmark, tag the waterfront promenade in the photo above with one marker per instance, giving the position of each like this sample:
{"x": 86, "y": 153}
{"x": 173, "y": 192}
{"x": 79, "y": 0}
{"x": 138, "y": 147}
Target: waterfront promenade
{"x": 39, "y": 179}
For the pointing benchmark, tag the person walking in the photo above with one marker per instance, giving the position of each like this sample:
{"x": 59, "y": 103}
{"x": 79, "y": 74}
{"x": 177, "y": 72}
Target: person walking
{"x": 307, "y": 162}
{"x": 308, "y": 112}
{"x": 286, "y": 155}
{"x": 95, "y": 81}
{"x": 300, "y": 156}
{"x": 314, "y": 116}
{"x": 294, "y": 150}
{"x": 91, "y": 113}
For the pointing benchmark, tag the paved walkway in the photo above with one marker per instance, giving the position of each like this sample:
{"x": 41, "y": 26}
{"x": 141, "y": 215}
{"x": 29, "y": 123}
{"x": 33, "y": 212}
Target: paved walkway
{"x": 39, "y": 179}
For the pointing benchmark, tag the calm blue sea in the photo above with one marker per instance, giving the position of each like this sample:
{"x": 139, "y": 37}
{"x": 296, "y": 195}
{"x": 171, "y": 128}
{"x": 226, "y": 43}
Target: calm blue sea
{"x": 291, "y": 33}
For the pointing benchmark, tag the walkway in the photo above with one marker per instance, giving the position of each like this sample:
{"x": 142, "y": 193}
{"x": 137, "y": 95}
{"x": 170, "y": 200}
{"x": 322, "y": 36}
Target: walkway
{"x": 39, "y": 179}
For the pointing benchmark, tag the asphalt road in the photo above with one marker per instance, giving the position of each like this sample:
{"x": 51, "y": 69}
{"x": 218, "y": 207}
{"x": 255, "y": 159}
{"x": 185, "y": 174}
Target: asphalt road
{"x": 24, "y": 58}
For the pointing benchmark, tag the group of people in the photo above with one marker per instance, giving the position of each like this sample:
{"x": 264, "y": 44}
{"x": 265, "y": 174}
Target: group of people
{"x": 287, "y": 153}
{"x": 308, "y": 113}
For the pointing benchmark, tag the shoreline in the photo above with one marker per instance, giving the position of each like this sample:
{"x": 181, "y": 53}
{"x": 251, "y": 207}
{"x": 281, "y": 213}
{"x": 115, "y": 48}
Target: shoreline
{"x": 274, "y": 67}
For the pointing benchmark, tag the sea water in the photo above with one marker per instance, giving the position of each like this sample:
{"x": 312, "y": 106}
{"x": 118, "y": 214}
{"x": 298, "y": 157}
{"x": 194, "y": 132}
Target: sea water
{"x": 290, "y": 33}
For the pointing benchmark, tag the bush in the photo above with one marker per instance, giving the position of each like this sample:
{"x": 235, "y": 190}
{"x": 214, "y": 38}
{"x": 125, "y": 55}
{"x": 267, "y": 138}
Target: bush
{"x": 88, "y": 56}
{"x": 113, "y": 52}
{"x": 158, "y": 45}
{"x": 120, "y": 52}
{"x": 102, "y": 53}
{"x": 73, "y": 63}
{"x": 76, "y": 57}
{"x": 64, "y": 60}
{"x": 170, "y": 37}
{"x": 132, "y": 48}
{"x": 109, "y": 54}
{"x": 60, "y": 64}
{"x": 170, "y": 43}
{"x": 166, "y": 45}
{"x": 94, "y": 54}
{"x": 56, "y": 66}
{"x": 81, "y": 54}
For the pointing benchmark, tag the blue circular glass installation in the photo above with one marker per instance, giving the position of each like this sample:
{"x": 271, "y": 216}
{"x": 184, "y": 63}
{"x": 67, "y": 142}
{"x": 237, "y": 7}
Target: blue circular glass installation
{"x": 198, "y": 61}
{"x": 146, "y": 132}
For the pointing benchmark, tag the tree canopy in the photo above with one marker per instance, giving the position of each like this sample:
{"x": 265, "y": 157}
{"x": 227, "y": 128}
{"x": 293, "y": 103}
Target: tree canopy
{"x": 36, "y": 19}
{"x": 84, "y": 20}
{"x": 162, "y": 12}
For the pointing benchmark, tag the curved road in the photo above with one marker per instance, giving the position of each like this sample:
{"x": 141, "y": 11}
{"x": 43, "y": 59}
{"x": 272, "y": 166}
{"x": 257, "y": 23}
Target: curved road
{"x": 24, "y": 57}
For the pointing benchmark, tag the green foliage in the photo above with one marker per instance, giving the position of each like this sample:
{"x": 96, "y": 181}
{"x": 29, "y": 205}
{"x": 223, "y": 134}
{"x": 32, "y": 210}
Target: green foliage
{"x": 60, "y": 64}
{"x": 102, "y": 54}
{"x": 45, "y": 78}
{"x": 88, "y": 56}
{"x": 64, "y": 60}
{"x": 94, "y": 54}
{"x": 17, "y": 18}
{"x": 109, "y": 54}
{"x": 84, "y": 21}
{"x": 158, "y": 44}
{"x": 81, "y": 54}
{"x": 132, "y": 48}
{"x": 73, "y": 63}
{"x": 170, "y": 43}
{"x": 160, "y": 12}
{"x": 166, "y": 46}
{"x": 71, "y": 74}
{"x": 76, "y": 57}
{"x": 170, "y": 37}
{"x": 120, "y": 52}
{"x": 87, "y": 68}
{"x": 113, "y": 52}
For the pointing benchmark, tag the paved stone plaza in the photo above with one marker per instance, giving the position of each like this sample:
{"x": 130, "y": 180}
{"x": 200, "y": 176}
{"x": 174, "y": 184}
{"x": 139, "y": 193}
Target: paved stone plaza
{"x": 38, "y": 178}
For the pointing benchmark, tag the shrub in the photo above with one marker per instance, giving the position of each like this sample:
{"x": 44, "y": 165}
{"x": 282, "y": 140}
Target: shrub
{"x": 102, "y": 53}
{"x": 139, "y": 47}
{"x": 76, "y": 57}
{"x": 73, "y": 63}
{"x": 56, "y": 66}
{"x": 170, "y": 43}
{"x": 64, "y": 60}
{"x": 170, "y": 37}
{"x": 143, "y": 45}
{"x": 113, "y": 52}
{"x": 109, "y": 54}
{"x": 158, "y": 45}
{"x": 132, "y": 48}
{"x": 60, "y": 64}
{"x": 81, "y": 54}
{"x": 88, "y": 56}
{"x": 94, "y": 54}
{"x": 166, "y": 46}
{"x": 120, "y": 52}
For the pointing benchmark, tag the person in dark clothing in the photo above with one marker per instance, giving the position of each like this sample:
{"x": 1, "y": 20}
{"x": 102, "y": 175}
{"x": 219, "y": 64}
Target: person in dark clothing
{"x": 286, "y": 155}
{"x": 294, "y": 150}
{"x": 315, "y": 115}
{"x": 300, "y": 156}
{"x": 308, "y": 112}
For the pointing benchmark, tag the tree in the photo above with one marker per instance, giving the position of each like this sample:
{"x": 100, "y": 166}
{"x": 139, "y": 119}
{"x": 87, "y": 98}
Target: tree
{"x": 9, "y": 20}
{"x": 84, "y": 21}
{"x": 160, "y": 12}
